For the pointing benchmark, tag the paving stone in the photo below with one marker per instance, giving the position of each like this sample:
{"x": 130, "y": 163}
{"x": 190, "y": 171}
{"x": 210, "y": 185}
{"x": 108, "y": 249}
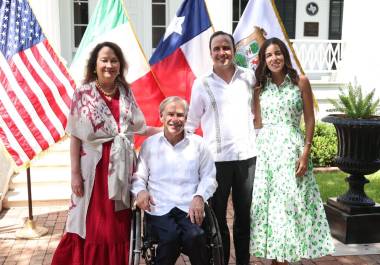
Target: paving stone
{"x": 376, "y": 257}
{"x": 329, "y": 262}
{"x": 307, "y": 262}
{"x": 10, "y": 262}
{"x": 325, "y": 258}
{"x": 368, "y": 260}
{"x": 347, "y": 260}
{"x": 40, "y": 251}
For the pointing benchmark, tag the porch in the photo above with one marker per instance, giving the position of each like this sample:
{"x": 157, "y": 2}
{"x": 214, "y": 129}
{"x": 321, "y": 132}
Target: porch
{"x": 321, "y": 61}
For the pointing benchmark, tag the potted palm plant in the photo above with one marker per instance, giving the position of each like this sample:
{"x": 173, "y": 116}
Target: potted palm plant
{"x": 358, "y": 133}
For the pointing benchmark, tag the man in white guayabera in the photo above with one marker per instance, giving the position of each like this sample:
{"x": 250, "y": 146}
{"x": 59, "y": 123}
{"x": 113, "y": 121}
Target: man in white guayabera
{"x": 175, "y": 175}
{"x": 221, "y": 104}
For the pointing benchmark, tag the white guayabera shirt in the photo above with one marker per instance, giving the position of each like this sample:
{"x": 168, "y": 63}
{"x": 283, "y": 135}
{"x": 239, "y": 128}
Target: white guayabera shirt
{"x": 224, "y": 112}
{"x": 173, "y": 175}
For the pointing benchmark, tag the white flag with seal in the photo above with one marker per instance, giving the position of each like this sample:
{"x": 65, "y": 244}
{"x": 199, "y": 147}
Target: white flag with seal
{"x": 259, "y": 21}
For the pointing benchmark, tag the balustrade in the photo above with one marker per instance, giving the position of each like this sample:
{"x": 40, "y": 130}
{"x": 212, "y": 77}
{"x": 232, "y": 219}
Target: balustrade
{"x": 319, "y": 56}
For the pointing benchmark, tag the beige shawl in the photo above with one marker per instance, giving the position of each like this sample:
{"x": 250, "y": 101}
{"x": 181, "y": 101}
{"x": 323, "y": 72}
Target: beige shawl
{"x": 92, "y": 122}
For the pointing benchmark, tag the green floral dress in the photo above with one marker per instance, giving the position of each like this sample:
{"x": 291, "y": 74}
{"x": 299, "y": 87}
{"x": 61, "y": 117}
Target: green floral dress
{"x": 288, "y": 221}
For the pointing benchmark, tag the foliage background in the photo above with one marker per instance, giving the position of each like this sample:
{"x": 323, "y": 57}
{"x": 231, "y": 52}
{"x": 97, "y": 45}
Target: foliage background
{"x": 324, "y": 145}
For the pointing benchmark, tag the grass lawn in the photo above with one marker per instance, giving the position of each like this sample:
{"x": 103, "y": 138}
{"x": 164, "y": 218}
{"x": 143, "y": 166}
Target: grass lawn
{"x": 334, "y": 184}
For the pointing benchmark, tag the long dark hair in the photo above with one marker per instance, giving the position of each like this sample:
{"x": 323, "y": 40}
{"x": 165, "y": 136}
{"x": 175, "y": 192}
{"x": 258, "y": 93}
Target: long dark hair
{"x": 262, "y": 72}
{"x": 91, "y": 64}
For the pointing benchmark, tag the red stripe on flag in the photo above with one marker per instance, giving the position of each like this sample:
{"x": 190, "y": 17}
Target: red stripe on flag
{"x": 9, "y": 148}
{"x": 16, "y": 132}
{"x": 60, "y": 65}
{"x": 25, "y": 116}
{"x": 174, "y": 75}
{"x": 45, "y": 66}
{"x": 148, "y": 96}
{"x": 37, "y": 107}
{"x": 47, "y": 92}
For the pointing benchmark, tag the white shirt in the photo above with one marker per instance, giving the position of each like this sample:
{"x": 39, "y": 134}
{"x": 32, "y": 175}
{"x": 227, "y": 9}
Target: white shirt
{"x": 173, "y": 175}
{"x": 224, "y": 112}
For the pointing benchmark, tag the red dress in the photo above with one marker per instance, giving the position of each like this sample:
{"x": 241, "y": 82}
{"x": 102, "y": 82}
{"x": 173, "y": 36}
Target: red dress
{"x": 107, "y": 231}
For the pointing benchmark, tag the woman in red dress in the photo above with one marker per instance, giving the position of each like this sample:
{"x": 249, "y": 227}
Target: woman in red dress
{"x": 103, "y": 119}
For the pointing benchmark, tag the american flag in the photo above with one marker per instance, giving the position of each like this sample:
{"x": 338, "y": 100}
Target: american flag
{"x": 35, "y": 87}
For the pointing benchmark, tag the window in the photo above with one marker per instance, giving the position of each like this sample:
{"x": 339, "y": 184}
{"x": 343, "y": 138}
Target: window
{"x": 287, "y": 11}
{"x": 237, "y": 10}
{"x": 80, "y": 20}
{"x": 158, "y": 21}
{"x": 336, "y": 16}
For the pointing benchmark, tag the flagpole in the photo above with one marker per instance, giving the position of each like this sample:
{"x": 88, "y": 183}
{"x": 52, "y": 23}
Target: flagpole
{"x": 30, "y": 229}
{"x": 286, "y": 36}
{"x": 316, "y": 107}
{"x": 208, "y": 12}
{"x": 138, "y": 42}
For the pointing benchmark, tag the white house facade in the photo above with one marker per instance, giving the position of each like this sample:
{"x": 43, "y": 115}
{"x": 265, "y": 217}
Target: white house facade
{"x": 335, "y": 40}
{"x": 64, "y": 22}
{"x": 314, "y": 26}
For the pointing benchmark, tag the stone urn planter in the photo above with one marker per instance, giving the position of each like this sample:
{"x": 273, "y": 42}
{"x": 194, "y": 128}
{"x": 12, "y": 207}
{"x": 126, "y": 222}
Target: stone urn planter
{"x": 354, "y": 217}
{"x": 358, "y": 154}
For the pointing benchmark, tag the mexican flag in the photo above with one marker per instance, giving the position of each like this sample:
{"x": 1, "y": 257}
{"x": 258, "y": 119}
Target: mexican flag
{"x": 110, "y": 22}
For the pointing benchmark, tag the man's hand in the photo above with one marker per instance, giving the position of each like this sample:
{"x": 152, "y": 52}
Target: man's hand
{"x": 144, "y": 200}
{"x": 196, "y": 210}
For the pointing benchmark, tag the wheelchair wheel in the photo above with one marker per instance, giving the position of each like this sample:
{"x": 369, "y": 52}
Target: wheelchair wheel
{"x": 135, "y": 240}
{"x": 213, "y": 236}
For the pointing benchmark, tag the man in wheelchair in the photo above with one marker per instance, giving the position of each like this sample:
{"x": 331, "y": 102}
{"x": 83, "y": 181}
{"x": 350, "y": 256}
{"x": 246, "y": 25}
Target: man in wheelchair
{"x": 175, "y": 176}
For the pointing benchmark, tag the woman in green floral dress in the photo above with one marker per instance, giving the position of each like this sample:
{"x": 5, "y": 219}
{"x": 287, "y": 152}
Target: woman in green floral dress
{"x": 288, "y": 221}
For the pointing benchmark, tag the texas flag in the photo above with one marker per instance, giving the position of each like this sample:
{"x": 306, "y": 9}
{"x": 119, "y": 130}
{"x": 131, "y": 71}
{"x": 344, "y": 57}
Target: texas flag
{"x": 183, "y": 53}
{"x": 110, "y": 22}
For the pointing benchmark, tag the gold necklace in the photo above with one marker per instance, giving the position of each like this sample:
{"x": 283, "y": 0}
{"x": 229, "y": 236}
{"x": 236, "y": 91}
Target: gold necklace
{"x": 107, "y": 94}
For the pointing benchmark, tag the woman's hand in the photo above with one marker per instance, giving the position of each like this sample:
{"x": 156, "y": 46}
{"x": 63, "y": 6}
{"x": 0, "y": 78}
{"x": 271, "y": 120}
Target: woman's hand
{"x": 77, "y": 184}
{"x": 301, "y": 166}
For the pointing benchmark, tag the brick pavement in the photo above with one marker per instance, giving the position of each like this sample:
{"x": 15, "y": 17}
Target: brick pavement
{"x": 39, "y": 251}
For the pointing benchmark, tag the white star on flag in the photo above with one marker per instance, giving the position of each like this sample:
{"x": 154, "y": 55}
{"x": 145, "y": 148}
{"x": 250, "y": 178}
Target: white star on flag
{"x": 175, "y": 26}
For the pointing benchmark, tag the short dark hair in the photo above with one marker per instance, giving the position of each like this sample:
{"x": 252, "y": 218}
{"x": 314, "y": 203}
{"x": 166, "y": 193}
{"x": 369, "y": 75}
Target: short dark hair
{"x": 90, "y": 74}
{"x": 218, "y": 33}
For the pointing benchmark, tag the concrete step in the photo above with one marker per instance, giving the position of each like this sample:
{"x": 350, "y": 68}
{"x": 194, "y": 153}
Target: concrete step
{"x": 42, "y": 176}
{"x": 50, "y": 177}
{"x": 52, "y": 159}
{"x": 322, "y": 92}
{"x": 63, "y": 145}
{"x": 57, "y": 195}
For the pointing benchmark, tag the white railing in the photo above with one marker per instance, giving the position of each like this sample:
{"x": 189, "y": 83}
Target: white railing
{"x": 319, "y": 56}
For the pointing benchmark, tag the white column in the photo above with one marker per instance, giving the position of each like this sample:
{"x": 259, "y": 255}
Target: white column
{"x": 140, "y": 15}
{"x": 7, "y": 168}
{"x": 322, "y": 17}
{"x": 360, "y": 32}
{"x": 221, "y": 14}
{"x": 47, "y": 14}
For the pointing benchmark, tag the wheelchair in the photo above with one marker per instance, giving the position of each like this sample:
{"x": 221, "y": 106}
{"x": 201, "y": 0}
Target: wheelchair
{"x": 143, "y": 242}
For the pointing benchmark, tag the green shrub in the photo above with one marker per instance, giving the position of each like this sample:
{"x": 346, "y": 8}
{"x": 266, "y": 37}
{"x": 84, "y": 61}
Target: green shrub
{"x": 324, "y": 146}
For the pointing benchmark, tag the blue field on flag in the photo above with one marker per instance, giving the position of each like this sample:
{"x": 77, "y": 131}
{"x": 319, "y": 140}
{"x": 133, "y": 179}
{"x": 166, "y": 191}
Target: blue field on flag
{"x": 35, "y": 87}
{"x": 190, "y": 21}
